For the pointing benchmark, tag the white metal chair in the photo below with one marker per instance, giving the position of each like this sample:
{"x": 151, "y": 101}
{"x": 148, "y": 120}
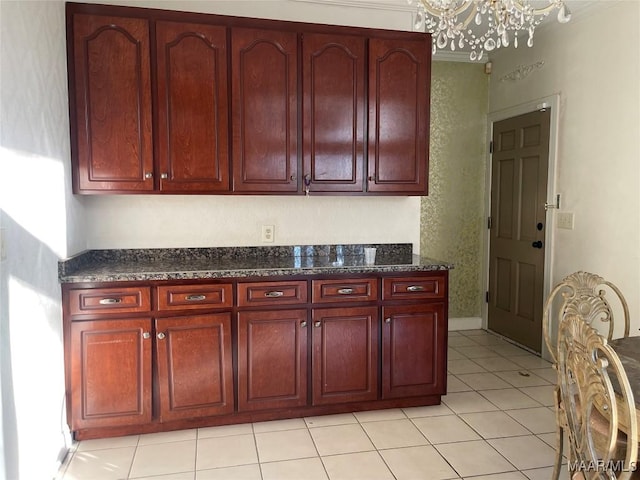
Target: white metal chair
{"x": 597, "y": 398}
{"x": 583, "y": 294}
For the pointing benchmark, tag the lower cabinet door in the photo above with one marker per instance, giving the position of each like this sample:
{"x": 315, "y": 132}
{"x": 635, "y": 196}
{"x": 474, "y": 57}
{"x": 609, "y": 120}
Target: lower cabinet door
{"x": 272, "y": 359}
{"x": 195, "y": 373}
{"x": 345, "y": 355}
{"x": 413, "y": 350}
{"x": 110, "y": 373}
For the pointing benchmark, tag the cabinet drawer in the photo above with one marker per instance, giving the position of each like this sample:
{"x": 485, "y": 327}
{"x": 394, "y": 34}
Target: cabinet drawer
{"x": 180, "y": 297}
{"x": 272, "y": 293}
{"x": 109, "y": 300}
{"x": 405, "y": 288}
{"x": 351, "y": 290}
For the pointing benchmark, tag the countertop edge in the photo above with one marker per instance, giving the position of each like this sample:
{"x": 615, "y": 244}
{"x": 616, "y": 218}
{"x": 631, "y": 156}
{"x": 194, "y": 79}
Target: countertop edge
{"x": 144, "y": 265}
{"x": 267, "y": 272}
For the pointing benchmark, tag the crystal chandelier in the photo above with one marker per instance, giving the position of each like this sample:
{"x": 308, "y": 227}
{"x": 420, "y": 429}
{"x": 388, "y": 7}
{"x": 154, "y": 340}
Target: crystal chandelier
{"x": 482, "y": 25}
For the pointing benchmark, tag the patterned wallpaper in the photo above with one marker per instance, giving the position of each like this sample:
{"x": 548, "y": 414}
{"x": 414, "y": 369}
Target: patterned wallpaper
{"x": 452, "y": 216}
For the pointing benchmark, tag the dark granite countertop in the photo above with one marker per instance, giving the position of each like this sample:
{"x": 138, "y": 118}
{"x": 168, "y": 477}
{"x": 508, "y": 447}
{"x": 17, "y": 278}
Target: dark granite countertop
{"x": 227, "y": 262}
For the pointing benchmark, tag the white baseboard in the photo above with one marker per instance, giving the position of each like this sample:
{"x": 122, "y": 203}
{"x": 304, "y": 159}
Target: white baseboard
{"x": 465, "y": 323}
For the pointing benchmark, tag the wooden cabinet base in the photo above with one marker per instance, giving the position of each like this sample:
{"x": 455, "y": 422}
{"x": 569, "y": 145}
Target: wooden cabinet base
{"x": 145, "y": 357}
{"x": 248, "y": 417}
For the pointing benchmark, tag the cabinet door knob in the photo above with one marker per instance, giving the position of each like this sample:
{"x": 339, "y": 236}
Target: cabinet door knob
{"x": 146, "y": 335}
{"x": 387, "y": 320}
{"x": 161, "y": 336}
{"x": 292, "y": 178}
{"x": 317, "y": 324}
{"x": 372, "y": 178}
{"x": 148, "y": 175}
{"x": 164, "y": 176}
{"x": 303, "y": 324}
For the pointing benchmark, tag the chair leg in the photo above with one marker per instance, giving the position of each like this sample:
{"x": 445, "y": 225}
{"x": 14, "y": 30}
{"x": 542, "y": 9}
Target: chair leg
{"x": 557, "y": 466}
{"x": 560, "y": 433}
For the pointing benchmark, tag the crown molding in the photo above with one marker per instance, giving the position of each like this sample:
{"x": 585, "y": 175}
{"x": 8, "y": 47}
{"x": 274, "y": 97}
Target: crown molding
{"x": 448, "y": 56}
{"x": 394, "y": 5}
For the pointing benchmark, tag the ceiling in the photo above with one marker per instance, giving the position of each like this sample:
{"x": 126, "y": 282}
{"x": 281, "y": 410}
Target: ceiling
{"x": 577, "y": 7}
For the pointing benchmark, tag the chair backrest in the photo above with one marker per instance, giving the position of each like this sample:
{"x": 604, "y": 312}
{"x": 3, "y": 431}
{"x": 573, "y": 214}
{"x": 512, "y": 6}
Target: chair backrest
{"x": 584, "y": 295}
{"x": 597, "y": 399}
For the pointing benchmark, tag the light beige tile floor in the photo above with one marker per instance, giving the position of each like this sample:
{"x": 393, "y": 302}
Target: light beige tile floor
{"x": 495, "y": 423}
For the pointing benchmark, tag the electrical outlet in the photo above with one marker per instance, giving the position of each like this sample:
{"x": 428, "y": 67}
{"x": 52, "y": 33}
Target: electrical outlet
{"x": 268, "y": 233}
{"x": 565, "y": 220}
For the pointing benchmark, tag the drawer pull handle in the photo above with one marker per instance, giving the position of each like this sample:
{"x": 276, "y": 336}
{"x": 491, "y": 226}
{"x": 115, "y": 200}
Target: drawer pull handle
{"x": 415, "y": 288}
{"x": 110, "y": 301}
{"x": 195, "y": 298}
{"x": 274, "y": 294}
{"x": 345, "y": 291}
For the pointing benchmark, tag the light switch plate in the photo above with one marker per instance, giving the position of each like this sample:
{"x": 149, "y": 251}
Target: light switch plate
{"x": 565, "y": 220}
{"x": 3, "y": 245}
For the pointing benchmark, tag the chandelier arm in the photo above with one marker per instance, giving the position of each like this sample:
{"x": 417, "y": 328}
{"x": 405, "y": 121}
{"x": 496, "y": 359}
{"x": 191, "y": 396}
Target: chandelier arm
{"x": 538, "y": 11}
{"x": 439, "y": 11}
{"x": 498, "y": 18}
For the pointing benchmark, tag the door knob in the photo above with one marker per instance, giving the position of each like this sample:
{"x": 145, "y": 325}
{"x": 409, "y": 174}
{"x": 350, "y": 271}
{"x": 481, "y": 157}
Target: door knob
{"x": 537, "y": 244}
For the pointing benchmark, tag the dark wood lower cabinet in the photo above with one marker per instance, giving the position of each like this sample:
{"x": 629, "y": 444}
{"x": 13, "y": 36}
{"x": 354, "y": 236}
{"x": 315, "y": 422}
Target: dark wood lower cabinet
{"x": 110, "y": 373}
{"x": 195, "y": 372}
{"x": 345, "y": 355}
{"x": 201, "y": 353}
{"x": 272, "y": 359}
{"x": 413, "y": 356}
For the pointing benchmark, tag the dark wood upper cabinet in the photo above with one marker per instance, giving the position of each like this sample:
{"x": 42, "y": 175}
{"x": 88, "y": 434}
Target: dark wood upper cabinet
{"x": 399, "y": 79}
{"x": 111, "y": 104}
{"x": 264, "y": 110}
{"x": 334, "y": 117}
{"x": 192, "y": 107}
{"x": 178, "y": 102}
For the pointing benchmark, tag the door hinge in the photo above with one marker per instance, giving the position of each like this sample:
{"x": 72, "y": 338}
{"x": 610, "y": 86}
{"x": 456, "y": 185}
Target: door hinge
{"x": 486, "y": 296}
{"x": 489, "y": 223}
{"x": 491, "y": 146}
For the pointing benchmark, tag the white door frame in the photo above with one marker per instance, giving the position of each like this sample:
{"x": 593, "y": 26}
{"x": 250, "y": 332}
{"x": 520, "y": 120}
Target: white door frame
{"x": 552, "y": 102}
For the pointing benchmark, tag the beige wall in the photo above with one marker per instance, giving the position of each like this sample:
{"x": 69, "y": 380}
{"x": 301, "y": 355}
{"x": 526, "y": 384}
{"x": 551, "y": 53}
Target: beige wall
{"x": 593, "y": 64}
{"x": 452, "y": 219}
{"x": 41, "y": 222}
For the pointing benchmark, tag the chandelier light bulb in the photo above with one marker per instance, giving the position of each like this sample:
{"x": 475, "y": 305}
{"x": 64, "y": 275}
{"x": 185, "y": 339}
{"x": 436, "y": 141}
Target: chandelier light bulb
{"x": 483, "y": 25}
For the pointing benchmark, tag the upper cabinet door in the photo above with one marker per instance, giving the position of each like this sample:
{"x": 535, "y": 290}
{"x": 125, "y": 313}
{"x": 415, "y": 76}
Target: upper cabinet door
{"x": 112, "y": 146}
{"x": 399, "y": 79}
{"x": 334, "y": 72}
{"x": 264, "y": 111}
{"x": 192, "y": 107}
